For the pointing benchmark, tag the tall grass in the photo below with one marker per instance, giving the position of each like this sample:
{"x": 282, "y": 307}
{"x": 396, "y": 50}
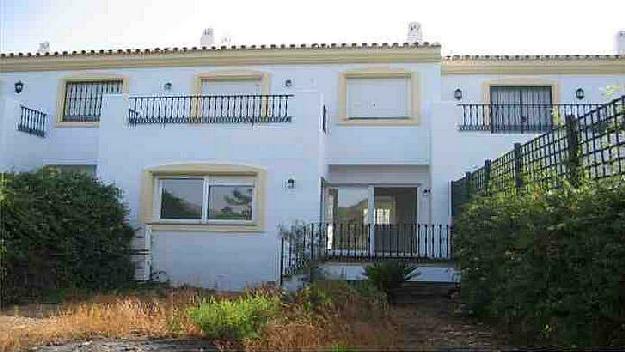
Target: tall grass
{"x": 105, "y": 316}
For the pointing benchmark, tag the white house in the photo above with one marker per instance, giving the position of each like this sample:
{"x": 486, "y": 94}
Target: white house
{"x": 216, "y": 147}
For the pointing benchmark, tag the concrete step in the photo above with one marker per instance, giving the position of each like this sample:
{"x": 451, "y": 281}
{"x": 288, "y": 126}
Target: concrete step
{"x": 422, "y": 289}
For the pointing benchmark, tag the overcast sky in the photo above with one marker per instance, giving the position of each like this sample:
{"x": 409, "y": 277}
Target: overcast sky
{"x": 462, "y": 27}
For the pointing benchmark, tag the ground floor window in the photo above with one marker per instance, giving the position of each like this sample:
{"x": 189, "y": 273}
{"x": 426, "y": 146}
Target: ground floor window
{"x": 211, "y": 199}
{"x": 87, "y": 169}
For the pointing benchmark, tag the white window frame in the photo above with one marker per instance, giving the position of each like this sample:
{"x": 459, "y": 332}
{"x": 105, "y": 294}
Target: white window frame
{"x": 403, "y": 117}
{"x": 207, "y": 182}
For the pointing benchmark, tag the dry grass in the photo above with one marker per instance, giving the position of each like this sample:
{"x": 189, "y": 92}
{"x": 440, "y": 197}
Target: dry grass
{"x": 340, "y": 318}
{"x": 104, "y": 316}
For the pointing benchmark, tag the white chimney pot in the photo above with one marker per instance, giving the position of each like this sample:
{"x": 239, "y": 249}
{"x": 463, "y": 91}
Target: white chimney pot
{"x": 44, "y": 48}
{"x": 208, "y": 38}
{"x": 415, "y": 34}
{"x": 619, "y": 43}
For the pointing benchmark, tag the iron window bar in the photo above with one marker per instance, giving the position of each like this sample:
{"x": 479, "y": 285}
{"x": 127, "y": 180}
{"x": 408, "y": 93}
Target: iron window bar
{"x": 32, "y": 121}
{"x": 209, "y": 109}
{"x": 83, "y": 99}
{"x": 518, "y": 118}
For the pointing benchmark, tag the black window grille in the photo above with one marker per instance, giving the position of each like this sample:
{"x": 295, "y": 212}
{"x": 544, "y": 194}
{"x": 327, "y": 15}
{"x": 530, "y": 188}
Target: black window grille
{"x": 83, "y": 99}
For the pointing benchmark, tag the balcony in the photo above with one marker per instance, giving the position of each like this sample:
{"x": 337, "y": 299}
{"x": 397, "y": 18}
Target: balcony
{"x": 517, "y": 118}
{"x": 209, "y": 109}
{"x": 348, "y": 242}
{"x": 32, "y": 121}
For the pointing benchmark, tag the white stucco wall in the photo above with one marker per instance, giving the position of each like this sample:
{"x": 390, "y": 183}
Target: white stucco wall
{"x": 19, "y": 151}
{"x": 226, "y": 261}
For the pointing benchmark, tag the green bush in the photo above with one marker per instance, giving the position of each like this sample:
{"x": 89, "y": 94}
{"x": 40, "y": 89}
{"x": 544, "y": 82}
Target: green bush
{"x": 60, "y": 231}
{"x": 550, "y": 265}
{"x": 238, "y": 319}
{"x": 388, "y": 276}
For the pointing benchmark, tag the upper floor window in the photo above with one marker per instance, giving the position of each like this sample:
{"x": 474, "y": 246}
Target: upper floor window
{"x": 521, "y": 95}
{"x": 86, "y": 169}
{"x": 231, "y": 87}
{"x": 83, "y": 99}
{"x": 378, "y": 98}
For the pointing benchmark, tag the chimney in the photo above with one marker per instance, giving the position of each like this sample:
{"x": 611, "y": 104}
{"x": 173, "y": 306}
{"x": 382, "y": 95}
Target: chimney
{"x": 208, "y": 38}
{"x": 619, "y": 43}
{"x": 44, "y": 48}
{"x": 415, "y": 35}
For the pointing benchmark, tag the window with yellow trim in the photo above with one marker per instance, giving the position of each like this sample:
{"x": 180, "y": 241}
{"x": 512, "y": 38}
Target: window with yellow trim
{"x": 82, "y": 101}
{"x": 206, "y": 199}
{"x": 378, "y": 98}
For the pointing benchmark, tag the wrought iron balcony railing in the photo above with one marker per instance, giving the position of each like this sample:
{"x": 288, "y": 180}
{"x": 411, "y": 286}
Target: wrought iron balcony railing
{"x": 209, "y": 109}
{"x": 518, "y": 118}
{"x": 315, "y": 243}
{"x": 32, "y": 121}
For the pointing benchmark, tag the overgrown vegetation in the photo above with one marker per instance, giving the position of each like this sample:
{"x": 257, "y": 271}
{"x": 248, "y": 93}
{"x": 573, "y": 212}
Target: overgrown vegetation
{"x": 235, "y": 319}
{"x": 389, "y": 275}
{"x": 549, "y": 265}
{"x": 324, "y": 315}
{"x": 62, "y": 230}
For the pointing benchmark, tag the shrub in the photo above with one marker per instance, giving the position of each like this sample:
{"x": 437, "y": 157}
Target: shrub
{"x": 238, "y": 319}
{"x": 62, "y": 230}
{"x": 550, "y": 265}
{"x": 388, "y": 276}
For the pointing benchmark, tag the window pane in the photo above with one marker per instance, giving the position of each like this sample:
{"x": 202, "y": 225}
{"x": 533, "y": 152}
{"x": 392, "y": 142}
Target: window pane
{"x": 230, "y": 202}
{"x": 347, "y": 205}
{"x": 83, "y": 100}
{"x": 89, "y": 170}
{"x": 378, "y": 98}
{"x": 181, "y": 198}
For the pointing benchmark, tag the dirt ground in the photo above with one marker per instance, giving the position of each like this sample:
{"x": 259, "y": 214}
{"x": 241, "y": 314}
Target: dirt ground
{"x": 429, "y": 323}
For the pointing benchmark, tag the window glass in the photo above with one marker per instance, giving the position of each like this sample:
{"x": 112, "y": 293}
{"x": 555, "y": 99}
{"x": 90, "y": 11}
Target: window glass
{"x": 89, "y": 170}
{"x": 83, "y": 100}
{"x": 378, "y": 98}
{"x": 347, "y": 205}
{"x": 182, "y": 198}
{"x": 230, "y": 202}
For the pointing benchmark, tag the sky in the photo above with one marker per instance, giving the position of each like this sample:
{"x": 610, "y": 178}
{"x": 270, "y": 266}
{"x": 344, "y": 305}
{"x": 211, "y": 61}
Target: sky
{"x": 462, "y": 27}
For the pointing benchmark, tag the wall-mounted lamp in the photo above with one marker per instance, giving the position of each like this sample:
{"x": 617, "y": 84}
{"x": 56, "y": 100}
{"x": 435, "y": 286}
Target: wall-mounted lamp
{"x": 579, "y": 93}
{"x": 19, "y": 86}
{"x": 167, "y": 86}
{"x": 458, "y": 94}
{"x": 290, "y": 183}
{"x": 288, "y": 83}
{"x": 426, "y": 192}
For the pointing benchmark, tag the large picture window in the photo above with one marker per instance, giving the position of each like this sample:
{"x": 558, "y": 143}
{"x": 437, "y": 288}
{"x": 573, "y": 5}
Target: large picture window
{"x": 208, "y": 199}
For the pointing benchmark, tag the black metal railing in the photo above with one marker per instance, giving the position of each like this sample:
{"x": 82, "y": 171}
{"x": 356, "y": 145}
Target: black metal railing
{"x": 590, "y": 145}
{"x": 518, "y": 118}
{"x": 311, "y": 244}
{"x": 83, "y": 99}
{"x": 32, "y": 121}
{"x": 209, "y": 109}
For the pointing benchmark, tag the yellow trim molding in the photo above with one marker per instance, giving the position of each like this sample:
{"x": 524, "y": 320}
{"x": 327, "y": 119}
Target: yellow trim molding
{"x": 237, "y": 75}
{"x": 380, "y": 72}
{"x": 189, "y": 58}
{"x": 521, "y": 81}
{"x": 202, "y": 169}
{"x": 86, "y": 77}
{"x": 534, "y": 67}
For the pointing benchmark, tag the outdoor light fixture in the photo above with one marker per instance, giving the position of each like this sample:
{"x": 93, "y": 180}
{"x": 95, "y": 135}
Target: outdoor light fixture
{"x": 167, "y": 86}
{"x": 288, "y": 83}
{"x": 426, "y": 191}
{"x": 458, "y": 93}
{"x": 290, "y": 183}
{"x": 579, "y": 93}
{"x": 19, "y": 86}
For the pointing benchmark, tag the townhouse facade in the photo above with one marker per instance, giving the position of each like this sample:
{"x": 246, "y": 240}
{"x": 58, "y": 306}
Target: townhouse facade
{"x": 217, "y": 148}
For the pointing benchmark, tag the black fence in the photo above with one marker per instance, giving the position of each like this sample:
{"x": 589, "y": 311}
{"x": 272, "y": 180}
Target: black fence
{"x": 591, "y": 144}
{"x": 518, "y": 118}
{"x": 32, "y": 121}
{"x": 312, "y": 244}
{"x": 209, "y": 109}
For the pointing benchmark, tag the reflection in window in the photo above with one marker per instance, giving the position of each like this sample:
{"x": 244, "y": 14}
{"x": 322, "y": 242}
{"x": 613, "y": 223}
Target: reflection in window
{"x": 181, "y": 198}
{"x": 230, "y": 202}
